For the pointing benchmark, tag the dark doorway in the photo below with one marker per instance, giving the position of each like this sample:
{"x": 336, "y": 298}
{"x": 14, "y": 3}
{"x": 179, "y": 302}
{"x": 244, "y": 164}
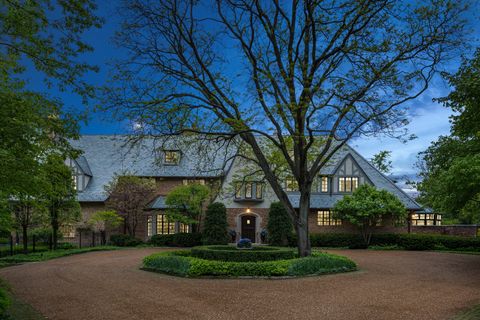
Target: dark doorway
{"x": 248, "y": 227}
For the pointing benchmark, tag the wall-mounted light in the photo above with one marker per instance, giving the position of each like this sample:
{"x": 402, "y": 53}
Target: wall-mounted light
{"x": 248, "y": 210}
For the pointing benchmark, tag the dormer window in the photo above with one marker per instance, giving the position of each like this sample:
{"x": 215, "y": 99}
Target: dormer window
{"x": 249, "y": 191}
{"x": 291, "y": 184}
{"x": 172, "y": 157}
{"x": 347, "y": 184}
{"x": 324, "y": 184}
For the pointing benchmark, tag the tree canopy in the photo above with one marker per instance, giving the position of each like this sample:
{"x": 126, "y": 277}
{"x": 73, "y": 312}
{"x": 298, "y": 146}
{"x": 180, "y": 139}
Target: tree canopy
{"x": 450, "y": 167}
{"x": 186, "y": 202}
{"x": 318, "y": 72}
{"x": 367, "y": 207}
{"x": 382, "y": 161}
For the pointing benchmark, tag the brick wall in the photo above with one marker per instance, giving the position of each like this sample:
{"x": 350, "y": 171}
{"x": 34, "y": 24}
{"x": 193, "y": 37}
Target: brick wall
{"x": 453, "y": 230}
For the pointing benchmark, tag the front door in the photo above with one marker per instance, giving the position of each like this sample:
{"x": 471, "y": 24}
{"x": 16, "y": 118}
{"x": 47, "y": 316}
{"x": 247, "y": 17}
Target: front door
{"x": 248, "y": 227}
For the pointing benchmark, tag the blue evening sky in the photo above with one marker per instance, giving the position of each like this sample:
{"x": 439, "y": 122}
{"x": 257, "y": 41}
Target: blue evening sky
{"x": 428, "y": 119}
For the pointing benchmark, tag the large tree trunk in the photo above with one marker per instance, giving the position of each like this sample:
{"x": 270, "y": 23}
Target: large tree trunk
{"x": 54, "y": 222}
{"x": 301, "y": 226}
{"x": 25, "y": 238}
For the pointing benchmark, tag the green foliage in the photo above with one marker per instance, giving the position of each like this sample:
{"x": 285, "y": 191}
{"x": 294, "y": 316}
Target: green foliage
{"x": 382, "y": 161}
{"x": 185, "y": 203}
{"x": 105, "y": 219}
{"x": 450, "y": 167}
{"x": 124, "y": 240}
{"x": 177, "y": 240}
{"x": 4, "y": 302}
{"x": 279, "y": 225}
{"x": 47, "y": 255}
{"x": 231, "y": 253}
{"x": 366, "y": 206}
{"x": 180, "y": 263}
{"x": 215, "y": 229}
{"x": 417, "y": 242}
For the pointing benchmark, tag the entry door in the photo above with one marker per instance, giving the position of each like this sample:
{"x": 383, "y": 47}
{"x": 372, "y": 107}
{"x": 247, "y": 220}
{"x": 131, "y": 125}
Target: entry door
{"x": 248, "y": 227}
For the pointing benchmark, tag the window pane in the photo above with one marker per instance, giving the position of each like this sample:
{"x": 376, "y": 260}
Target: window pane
{"x": 324, "y": 185}
{"x": 149, "y": 226}
{"x": 291, "y": 185}
{"x": 341, "y": 184}
{"x": 348, "y": 184}
{"x": 248, "y": 190}
{"x": 354, "y": 183}
{"x": 259, "y": 190}
{"x": 164, "y": 226}
{"x": 172, "y": 157}
{"x": 324, "y": 218}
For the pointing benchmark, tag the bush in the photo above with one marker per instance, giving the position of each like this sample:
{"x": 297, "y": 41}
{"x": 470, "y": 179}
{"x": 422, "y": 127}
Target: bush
{"x": 279, "y": 225}
{"x": 215, "y": 228}
{"x": 177, "y": 240}
{"x": 44, "y": 234}
{"x": 417, "y": 242}
{"x": 124, "y": 240}
{"x": 182, "y": 264}
{"x": 4, "y": 302}
{"x": 230, "y": 253}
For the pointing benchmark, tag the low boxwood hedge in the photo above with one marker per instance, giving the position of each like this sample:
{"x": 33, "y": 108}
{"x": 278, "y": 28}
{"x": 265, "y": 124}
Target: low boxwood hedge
{"x": 406, "y": 241}
{"x": 181, "y": 263}
{"x": 177, "y": 240}
{"x": 230, "y": 253}
{"x": 124, "y": 240}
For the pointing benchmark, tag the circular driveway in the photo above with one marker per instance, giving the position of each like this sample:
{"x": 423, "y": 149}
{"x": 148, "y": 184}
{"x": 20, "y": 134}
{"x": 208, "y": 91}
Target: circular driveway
{"x": 389, "y": 285}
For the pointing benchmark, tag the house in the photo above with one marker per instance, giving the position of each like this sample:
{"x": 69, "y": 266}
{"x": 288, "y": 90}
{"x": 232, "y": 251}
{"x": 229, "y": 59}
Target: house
{"x": 178, "y": 160}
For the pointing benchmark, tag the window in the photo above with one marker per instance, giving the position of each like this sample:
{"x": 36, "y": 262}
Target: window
{"x": 324, "y": 184}
{"x": 426, "y": 219}
{"x": 164, "y": 226}
{"x": 149, "y": 226}
{"x": 172, "y": 157}
{"x": 324, "y": 218}
{"x": 249, "y": 190}
{"x": 187, "y": 182}
{"x": 291, "y": 184}
{"x": 347, "y": 184}
{"x": 184, "y": 228}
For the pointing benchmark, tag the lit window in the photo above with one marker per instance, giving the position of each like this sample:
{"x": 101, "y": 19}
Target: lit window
{"x": 172, "y": 157}
{"x": 324, "y": 184}
{"x": 347, "y": 184}
{"x": 324, "y": 218}
{"x": 184, "y": 228}
{"x": 428, "y": 219}
{"x": 187, "y": 182}
{"x": 291, "y": 184}
{"x": 149, "y": 226}
{"x": 164, "y": 226}
{"x": 259, "y": 190}
{"x": 248, "y": 190}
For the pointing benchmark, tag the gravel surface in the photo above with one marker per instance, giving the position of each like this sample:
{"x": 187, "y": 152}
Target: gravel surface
{"x": 390, "y": 285}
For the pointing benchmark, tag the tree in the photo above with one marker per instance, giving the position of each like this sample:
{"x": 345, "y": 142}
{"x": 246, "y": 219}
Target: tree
{"x": 368, "y": 206}
{"x": 215, "y": 231}
{"x": 128, "y": 195}
{"x": 306, "y": 76}
{"x": 450, "y": 167}
{"x": 186, "y": 203}
{"x": 26, "y": 210}
{"x": 59, "y": 195}
{"x": 103, "y": 220}
{"x": 382, "y": 161}
{"x": 279, "y": 225}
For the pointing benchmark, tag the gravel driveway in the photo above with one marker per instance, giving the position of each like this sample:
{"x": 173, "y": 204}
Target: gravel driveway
{"x": 389, "y": 285}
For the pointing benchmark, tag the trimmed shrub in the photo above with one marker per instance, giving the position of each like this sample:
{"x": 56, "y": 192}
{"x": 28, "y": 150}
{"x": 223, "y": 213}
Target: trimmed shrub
{"x": 230, "y": 253}
{"x": 177, "y": 240}
{"x": 215, "y": 227}
{"x": 417, "y": 242}
{"x": 124, "y": 240}
{"x": 181, "y": 264}
{"x": 279, "y": 225}
{"x": 4, "y": 302}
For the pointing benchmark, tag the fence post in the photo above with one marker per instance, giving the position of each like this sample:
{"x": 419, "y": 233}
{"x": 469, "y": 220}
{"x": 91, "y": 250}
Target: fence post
{"x": 93, "y": 238}
{"x": 80, "y": 239}
{"x": 11, "y": 245}
{"x": 33, "y": 243}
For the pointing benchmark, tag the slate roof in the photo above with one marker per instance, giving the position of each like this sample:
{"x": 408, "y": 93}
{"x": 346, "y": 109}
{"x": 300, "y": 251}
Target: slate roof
{"x": 108, "y": 155}
{"x": 158, "y": 203}
{"x": 83, "y": 164}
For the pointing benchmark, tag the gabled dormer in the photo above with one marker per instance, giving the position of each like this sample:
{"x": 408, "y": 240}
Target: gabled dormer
{"x": 348, "y": 175}
{"x": 81, "y": 173}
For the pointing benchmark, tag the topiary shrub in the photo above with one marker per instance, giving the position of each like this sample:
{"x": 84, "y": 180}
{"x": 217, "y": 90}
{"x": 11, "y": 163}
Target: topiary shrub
{"x": 124, "y": 240}
{"x": 215, "y": 227}
{"x": 230, "y": 253}
{"x": 177, "y": 240}
{"x": 279, "y": 225}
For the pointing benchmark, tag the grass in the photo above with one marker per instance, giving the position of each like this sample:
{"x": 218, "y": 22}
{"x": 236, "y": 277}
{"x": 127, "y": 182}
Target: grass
{"x": 17, "y": 310}
{"x": 47, "y": 255}
{"x": 471, "y": 314}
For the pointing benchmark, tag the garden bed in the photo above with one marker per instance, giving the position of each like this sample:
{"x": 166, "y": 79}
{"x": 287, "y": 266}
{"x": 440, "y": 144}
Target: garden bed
{"x": 186, "y": 263}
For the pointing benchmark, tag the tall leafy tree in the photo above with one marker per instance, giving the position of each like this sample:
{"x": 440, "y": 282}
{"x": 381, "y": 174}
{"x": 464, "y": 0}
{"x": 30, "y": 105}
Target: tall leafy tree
{"x": 320, "y": 72}
{"x": 59, "y": 195}
{"x": 382, "y": 161}
{"x": 450, "y": 167}
{"x": 186, "y": 204}
{"x": 128, "y": 195}
{"x": 368, "y": 206}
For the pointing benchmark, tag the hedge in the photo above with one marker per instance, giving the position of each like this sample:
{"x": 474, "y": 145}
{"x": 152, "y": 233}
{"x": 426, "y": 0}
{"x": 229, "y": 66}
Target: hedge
{"x": 230, "y": 253}
{"x": 406, "y": 241}
{"x": 177, "y": 240}
{"x": 180, "y": 264}
{"x": 215, "y": 227}
{"x": 124, "y": 240}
